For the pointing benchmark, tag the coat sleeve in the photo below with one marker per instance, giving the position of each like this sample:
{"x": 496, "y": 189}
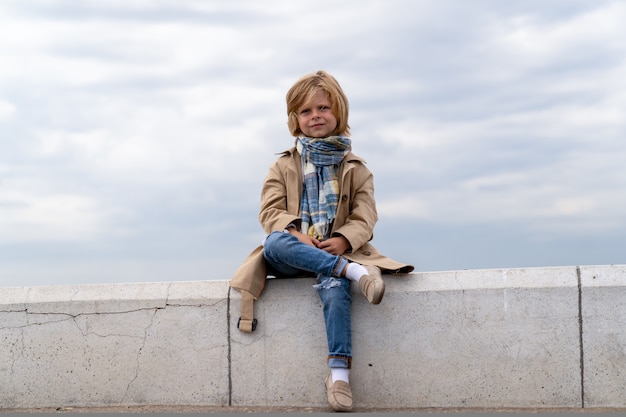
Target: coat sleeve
{"x": 276, "y": 211}
{"x": 358, "y": 207}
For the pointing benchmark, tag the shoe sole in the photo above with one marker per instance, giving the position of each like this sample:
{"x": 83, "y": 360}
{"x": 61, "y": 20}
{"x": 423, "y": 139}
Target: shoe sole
{"x": 378, "y": 299}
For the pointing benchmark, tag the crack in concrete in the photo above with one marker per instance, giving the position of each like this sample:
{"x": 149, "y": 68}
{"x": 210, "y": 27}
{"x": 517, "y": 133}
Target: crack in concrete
{"x": 21, "y": 350}
{"x": 167, "y": 293}
{"x": 58, "y": 317}
{"x": 17, "y": 353}
{"x": 76, "y": 291}
{"x": 581, "y": 337}
{"x": 138, "y": 359}
{"x": 85, "y": 332}
{"x": 229, "y": 350}
{"x": 22, "y": 310}
{"x": 69, "y": 316}
{"x": 42, "y": 318}
{"x": 84, "y": 317}
{"x": 66, "y": 317}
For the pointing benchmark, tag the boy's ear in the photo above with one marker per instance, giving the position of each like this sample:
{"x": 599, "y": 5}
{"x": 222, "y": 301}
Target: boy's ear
{"x": 294, "y": 126}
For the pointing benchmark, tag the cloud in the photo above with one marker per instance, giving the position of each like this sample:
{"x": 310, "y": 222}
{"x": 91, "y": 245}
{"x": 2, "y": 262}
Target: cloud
{"x": 32, "y": 212}
{"x": 7, "y": 111}
{"x": 138, "y": 133}
{"x": 535, "y": 139}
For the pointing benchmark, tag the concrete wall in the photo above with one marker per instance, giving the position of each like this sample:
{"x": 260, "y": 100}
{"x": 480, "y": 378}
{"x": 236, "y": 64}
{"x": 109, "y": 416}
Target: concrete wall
{"x": 540, "y": 337}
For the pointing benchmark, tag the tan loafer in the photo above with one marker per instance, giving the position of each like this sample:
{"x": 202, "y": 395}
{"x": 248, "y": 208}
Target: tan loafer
{"x": 372, "y": 286}
{"x": 339, "y": 395}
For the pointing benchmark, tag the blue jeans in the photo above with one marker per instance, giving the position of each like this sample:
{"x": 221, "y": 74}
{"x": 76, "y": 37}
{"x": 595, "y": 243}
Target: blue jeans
{"x": 286, "y": 257}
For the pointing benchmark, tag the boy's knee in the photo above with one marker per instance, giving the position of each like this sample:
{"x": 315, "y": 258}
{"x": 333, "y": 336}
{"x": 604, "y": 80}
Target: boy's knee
{"x": 333, "y": 290}
{"x": 275, "y": 243}
{"x": 272, "y": 239}
{"x": 327, "y": 283}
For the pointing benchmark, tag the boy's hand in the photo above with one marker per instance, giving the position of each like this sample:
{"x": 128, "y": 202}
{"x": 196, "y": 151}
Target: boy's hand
{"x": 309, "y": 240}
{"x": 335, "y": 245}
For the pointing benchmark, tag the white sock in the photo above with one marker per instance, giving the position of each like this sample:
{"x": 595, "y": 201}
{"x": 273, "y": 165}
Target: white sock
{"x": 340, "y": 374}
{"x": 355, "y": 271}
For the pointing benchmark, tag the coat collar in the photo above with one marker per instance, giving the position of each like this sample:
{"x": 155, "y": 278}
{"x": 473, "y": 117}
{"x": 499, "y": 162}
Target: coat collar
{"x": 350, "y": 157}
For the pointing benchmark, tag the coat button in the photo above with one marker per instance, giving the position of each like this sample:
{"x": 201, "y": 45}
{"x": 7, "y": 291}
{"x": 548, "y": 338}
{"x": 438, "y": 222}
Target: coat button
{"x": 344, "y": 197}
{"x": 366, "y": 253}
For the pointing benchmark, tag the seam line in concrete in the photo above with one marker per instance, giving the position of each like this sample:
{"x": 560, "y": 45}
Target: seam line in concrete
{"x": 229, "y": 342}
{"x": 580, "y": 338}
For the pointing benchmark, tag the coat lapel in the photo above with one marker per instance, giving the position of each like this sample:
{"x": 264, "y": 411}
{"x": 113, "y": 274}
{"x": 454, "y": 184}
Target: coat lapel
{"x": 294, "y": 185}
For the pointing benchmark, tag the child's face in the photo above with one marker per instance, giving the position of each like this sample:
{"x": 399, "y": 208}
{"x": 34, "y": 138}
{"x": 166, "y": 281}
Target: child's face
{"x": 316, "y": 119}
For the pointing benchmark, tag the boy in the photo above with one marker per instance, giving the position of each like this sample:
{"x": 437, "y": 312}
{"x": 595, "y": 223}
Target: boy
{"x": 319, "y": 212}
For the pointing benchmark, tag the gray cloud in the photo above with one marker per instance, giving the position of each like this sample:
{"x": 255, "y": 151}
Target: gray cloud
{"x": 136, "y": 136}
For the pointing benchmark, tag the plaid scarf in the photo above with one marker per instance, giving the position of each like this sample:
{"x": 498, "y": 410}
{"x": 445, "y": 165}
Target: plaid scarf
{"x": 320, "y": 159}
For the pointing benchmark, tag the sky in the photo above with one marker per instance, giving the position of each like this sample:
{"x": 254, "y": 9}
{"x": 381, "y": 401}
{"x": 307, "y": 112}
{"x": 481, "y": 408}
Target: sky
{"x": 135, "y": 135}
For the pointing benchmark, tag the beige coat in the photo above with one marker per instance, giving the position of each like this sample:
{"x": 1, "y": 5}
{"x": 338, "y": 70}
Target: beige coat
{"x": 355, "y": 218}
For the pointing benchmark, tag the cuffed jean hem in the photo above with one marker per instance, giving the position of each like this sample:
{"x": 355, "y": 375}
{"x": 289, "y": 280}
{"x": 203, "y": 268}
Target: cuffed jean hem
{"x": 337, "y": 361}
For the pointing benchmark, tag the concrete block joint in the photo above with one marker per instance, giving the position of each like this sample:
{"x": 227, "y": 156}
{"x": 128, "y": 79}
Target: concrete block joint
{"x": 540, "y": 338}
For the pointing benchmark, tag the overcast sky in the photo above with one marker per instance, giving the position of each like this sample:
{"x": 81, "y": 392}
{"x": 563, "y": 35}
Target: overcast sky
{"x": 135, "y": 135}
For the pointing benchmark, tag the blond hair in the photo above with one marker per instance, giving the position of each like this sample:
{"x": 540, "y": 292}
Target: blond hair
{"x": 303, "y": 91}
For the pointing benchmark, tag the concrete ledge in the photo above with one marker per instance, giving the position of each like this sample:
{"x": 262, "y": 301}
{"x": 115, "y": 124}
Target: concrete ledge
{"x": 546, "y": 338}
{"x": 604, "y": 335}
{"x": 97, "y": 345}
